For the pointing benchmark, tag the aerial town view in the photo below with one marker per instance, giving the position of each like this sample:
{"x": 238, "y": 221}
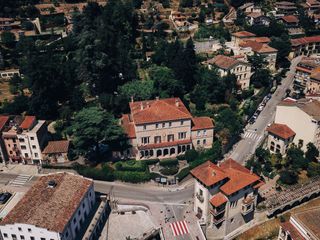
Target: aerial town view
{"x": 159, "y": 119}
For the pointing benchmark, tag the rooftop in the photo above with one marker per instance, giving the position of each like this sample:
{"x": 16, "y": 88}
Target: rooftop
{"x": 218, "y": 199}
{"x": 243, "y": 34}
{"x": 309, "y": 106}
{"x": 201, "y": 123}
{"x": 290, "y": 19}
{"x": 128, "y": 126}
{"x": 50, "y": 208}
{"x": 304, "y": 40}
{"x": 159, "y": 110}
{"x": 3, "y": 121}
{"x": 294, "y": 233}
{"x": 281, "y": 130}
{"x": 309, "y": 220}
{"x": 258, "y": 47}
{"x": 235, "y": 175}
{"x": 61, "y": 146}
{"x": 224, "y": 62}
{"x": 28, "y": 122}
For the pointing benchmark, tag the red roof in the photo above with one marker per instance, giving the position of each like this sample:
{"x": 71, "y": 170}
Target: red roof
{"x": 305, "y": 40}
{"x": 218, "y": 199}
{"x": 61, "y": 146}
{"x": 236, "y": 175}
{"x": 169, "y": 109}
{"x": 281, "y": 130}
{"x": 258, "y": 47}
{"x": 290, "y": 19}
{"x": 293, "y": 232}
{"x": 224, "y": 62}
{"x": 164, "y": 144}
{"x": 3, "y": 121}
{"x": 202, "y": 123}
{"x": 243, "y": 34}
{"x": 128, "y": 126}
{"x": 27, "y": 122}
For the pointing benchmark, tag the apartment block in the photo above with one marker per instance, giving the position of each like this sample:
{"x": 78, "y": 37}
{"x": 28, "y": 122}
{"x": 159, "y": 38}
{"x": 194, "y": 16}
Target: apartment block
{"x": 225, "y": 196}
{"x": 303, "y": 118}
{"x": 54, "y": 208}
{"x": 229, "y": 65}
{"x": 25, "y": 139}
{"x": 304, "y": 46}
{"x": 164, "y": 128}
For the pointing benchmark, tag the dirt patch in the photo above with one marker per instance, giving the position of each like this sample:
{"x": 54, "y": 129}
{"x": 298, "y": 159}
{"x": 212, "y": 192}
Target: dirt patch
{"x": 4, "y": 90}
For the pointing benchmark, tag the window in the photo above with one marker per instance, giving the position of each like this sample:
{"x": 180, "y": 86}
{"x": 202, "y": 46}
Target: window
{"x": 31, "y": 238}
{"x": 198, "y": 134}
{"x": 14, "y": 140}
{"x": 170, "y": 124}
{"x": 32, "y": 138}
{"x": 157, "y": 125}
{"x": 198, "y": 142}
{"x": 67, "y": 234}
{"x": 144, "y": 127}
{"x": 26, "y": 155}
{"x": 42, "y": 239}
{"x": 233, "y": 204}
{"x": 163, "y": 125}
{"x": 170, "y": 138}
{"x": 21, "y": 139}
{"x": 29, "y": 229}
{"x": 14, "y": 237}
{"x": 145, "y": 140}
{"x": 10, "y": 152}
{"x": 5, "y": 235}
{"x": 205, "y": 132}
{"x": 36, "y": 155}
{"x": 182, "y": 135}
{"x": 200, "y": 192}
{"x": 204, "y": 141}
{"x": 74, "y": 220}
{"x": 34, "y": 147}
{"x": 82, "y": 205}
{"x": 181, "y": 123}
{"x": 79, "y": 213}
{"x": 19, "y": 228}
{"x": 157, "y": 139}
{"x": 22, "y": 237}
{"x": 23, "y": 147}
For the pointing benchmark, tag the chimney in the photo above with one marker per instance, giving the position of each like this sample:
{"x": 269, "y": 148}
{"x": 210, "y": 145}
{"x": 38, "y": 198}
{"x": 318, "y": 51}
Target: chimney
{"x": 141, "y": 106}
{"x": 218, "y": 164}
{"x": 157, "y": 98}
{"x": 148, "y": 104}
{"x": 251, "y": 170}
{"x": 131, "y": 98}
{"x": 177, "y": 103}
{"x": 213, "y": 173}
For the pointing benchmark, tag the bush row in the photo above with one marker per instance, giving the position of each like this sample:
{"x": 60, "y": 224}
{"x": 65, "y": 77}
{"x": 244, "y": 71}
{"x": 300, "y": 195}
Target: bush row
{"x": 168, "y": 162}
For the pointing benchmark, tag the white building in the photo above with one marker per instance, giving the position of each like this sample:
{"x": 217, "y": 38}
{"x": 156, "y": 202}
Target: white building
{"x": 225, "y": 196}
{"x": 303, "y": 117}
{"x": 55, "y": 208}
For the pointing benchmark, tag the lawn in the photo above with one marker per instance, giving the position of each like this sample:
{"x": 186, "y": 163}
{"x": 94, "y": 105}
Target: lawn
{"x": 270, "y": 229}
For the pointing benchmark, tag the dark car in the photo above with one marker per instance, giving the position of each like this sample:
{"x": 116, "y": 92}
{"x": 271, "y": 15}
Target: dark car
{"x": 4, "y": 197}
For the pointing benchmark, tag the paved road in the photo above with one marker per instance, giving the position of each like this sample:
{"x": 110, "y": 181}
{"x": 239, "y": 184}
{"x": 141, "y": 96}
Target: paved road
{"x": 254, "y": 133}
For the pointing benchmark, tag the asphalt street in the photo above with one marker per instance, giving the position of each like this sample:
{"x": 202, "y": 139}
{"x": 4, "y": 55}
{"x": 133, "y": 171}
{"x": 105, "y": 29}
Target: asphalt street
{"x": 254, "y": 133}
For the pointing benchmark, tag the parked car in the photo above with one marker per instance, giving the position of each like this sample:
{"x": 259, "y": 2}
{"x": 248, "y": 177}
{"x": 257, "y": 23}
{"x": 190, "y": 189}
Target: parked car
{"x": 4, "y": 197}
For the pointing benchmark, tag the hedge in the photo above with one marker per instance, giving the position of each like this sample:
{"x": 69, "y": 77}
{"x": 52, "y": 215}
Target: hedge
{"x": 133, "y": 177}
{"x": 169, "y": 162}
{"x": 183, "y": 173}
{"x": 131, "y": 165}
{"x": 169, "y": 170}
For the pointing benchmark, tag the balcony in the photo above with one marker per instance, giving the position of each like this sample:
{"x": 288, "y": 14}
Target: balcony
{"x": 217, "y": 211}
{"x": 247, "y": 205}
{"x": 217, "y": 221}
{"x": 200, "y": 197}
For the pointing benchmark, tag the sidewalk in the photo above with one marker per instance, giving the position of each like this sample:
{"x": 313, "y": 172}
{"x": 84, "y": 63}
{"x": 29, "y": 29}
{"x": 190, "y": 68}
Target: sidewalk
{"x": 19, "y": 169}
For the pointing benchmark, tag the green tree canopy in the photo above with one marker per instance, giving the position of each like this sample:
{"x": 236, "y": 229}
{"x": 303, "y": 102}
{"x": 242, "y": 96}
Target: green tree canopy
{"x": 312, "y": 152}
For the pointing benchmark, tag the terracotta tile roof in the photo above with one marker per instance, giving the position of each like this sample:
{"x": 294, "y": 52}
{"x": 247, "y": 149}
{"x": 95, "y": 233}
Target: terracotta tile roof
{"x": 310, "y": 107}
{"x": 293, "y": 232}
{"x": 302, "y": 69}
{"x": 128, "y": 126}
{"x": 235, "y": 175}
{"x": 3, "y": 121}
{"x": 261, "y": 39}
{"x": 164, "y": 144}
{"x": 218, "y": 199}
{"x": 224, "y": 62}
{"x": 258, "y": 47}
{"x": 255, "y": 14}
{"x": 309, "y": 220}
{"x": 169, "y": 109}
{"x": 28, "y": 122}
{"x": 281, "y": 130}
{"x": 61, "y": 146}
{"x": 208, "y": 173}
{"x": 50, "y": 208}
{"x": 202, "y": 123}
{"x": 243, "y": 34}
{"x": 290, "y": 19}
{"x": 239, "y": 177}
{"x": 315, "y": 76}
{"x": 288, "y": 101}
{"x": 305, "y": 40}
{"x": 259, "y": 184}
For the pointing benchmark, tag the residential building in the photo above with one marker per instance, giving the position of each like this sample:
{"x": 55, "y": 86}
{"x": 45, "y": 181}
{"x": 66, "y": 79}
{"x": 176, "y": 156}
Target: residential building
{"x": 225, "y": 196}
{"x": 164, "y": 128}
{"x": 290, "y": 21}
{"x": 304, "y": 69}
{"x": 311, "y": 6}
{"x": 259, "y": 19}
{"x": 285, "y": 7}
{"x": 302, "y": 225}
{"x": 9, "y": 73}
{"x": 56, "y": 152}
{"x": 25, "y": 140}
{"x": 303, "y": 117}
{"x": 229, "y": 65}
{"x": 304, "y": 46}
{"x": 313, "y": 86}
{"x": 250, "y": 7}
{"x": 262, "y": 49}
{"x": 4, "y": 120}
{"x": 238, "y": 37}
{"x": 55, "y": 207}
{"x": 279, "y": 138}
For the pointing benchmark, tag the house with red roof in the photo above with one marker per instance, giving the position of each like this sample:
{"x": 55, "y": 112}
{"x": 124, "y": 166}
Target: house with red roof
{"x": 305, "y": 46}
{"x": 225, "y": 196}
{"x": 279, "y": 138}
{"x": 164, "y": 128}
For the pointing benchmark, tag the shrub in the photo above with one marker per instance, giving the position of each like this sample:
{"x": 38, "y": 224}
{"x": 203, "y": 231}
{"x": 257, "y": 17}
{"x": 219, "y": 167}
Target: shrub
{"x": 191, "y": 155}
{"x": 288, "y": 177}
{"x": 169, "y": 170}
{"x": 169, "y": 162}
{"x": 104, "y": 174}
{"x": 132, "y": 177}
{"x": 150, "y": 161}
{"x": 183, "y": 173}
{"x": 131, "y": 165}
